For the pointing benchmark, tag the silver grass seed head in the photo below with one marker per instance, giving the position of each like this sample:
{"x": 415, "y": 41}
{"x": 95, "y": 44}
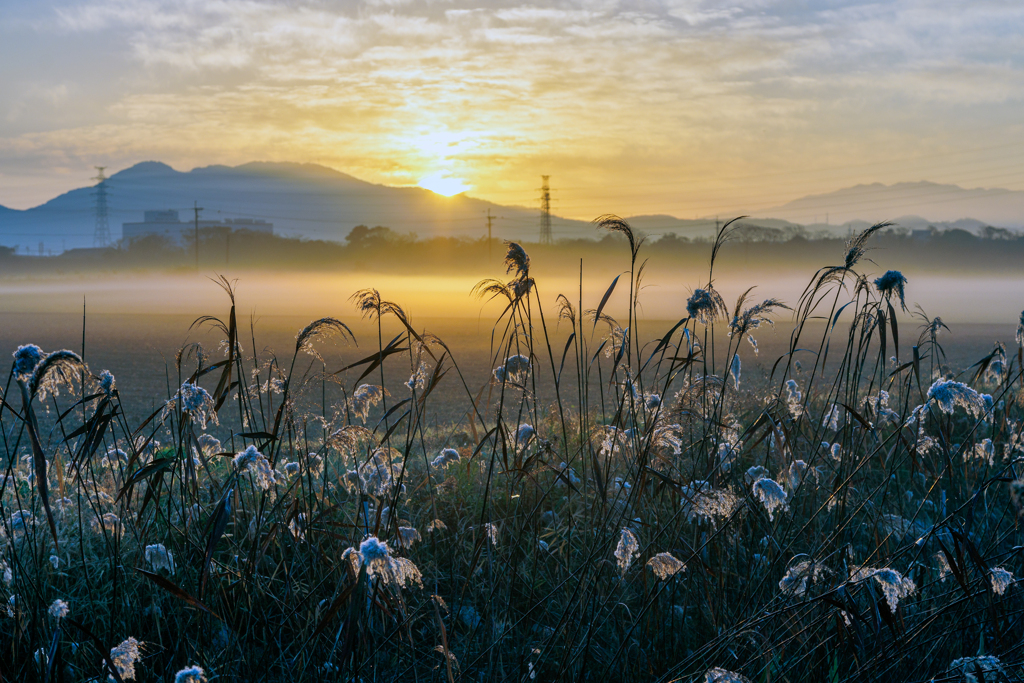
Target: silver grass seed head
{"x": 372, "y": 550}
{"x": 949, "y": 394}
{"x": 566, "y": 311}
{"x": 892, "y": 282}
{"x": 124, "y": 657}
{"x": 514, "y": 369}
{"x": 107, "y": 383}
{"x": 568, "y": 475}
{"x": 190, "y": 674}
{"x": 702, "y": 503}
{"x": 793, "y": 394}
{"x": 985, "y": 452}
{"x": 366, "y": 396}
{"x": 492, "y": 533}
{"x": 58, "y": 609}
{"x": 251, "y": 460}
{"x": 754, "y": 473}
{"x": 753, "y": 317}
{"x": 160, "y": 557}
{"x": 407, "y": 536}
{"x": 517, "y": 260}
{"x": 833, "y": 418}
{"x": 613, "y": 223}
{"x": 719, "y": 675}
{"x": 968, "y": 668}
{"x": 26, "y": 358}
{"x": 772, "y": 496}
{"x": 196, "y": 402}
{"x": 447, "y": 457}
{"x": 518, "y": 364}
{"x": 322, "y": 328}
{"x": 706, "y": 305}
{"x": 193, "y": 397}
{"x": 56, "y": 369}
{"x": 209, "y": 444}
{"x": 665, "y": 566}
{"x": 419, "y": 378}
{"x": 1001, "y": 580}
{"x": 627, "y": 549}
{"x": 524, "y": 434}
{"x": 855, "y": 248}
{"x": 800, "y": 575}
{"x": 894, "y": 585}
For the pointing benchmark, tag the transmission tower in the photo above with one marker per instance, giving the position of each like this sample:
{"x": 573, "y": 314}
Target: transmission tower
{"x": 545, "y": 211}
{"x": 101, "y": 237}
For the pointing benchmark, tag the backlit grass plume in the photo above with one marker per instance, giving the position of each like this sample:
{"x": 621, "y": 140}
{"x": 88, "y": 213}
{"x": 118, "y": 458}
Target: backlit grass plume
{"x": 706, "y": 305}
{"x": 324, "y": 328}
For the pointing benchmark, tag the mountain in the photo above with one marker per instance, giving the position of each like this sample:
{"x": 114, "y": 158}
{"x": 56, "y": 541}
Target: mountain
{"x": 946, "y": 204}
{"x": 314, "y": 202}
{"x": 303, "y": 200}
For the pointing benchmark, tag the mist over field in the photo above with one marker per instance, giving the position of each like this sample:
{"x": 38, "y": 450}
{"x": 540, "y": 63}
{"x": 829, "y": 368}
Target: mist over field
{"x": 978, "y": 281}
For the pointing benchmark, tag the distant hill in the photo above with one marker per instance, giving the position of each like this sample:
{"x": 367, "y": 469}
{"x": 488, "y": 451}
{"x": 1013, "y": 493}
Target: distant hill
{"x": 905, "y": 203}
{"x": 314, "y": 202}
{"x": 303, "y": 200}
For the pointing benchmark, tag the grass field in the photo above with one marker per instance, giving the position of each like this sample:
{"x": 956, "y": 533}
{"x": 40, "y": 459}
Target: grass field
{"x": 537, "y": 492}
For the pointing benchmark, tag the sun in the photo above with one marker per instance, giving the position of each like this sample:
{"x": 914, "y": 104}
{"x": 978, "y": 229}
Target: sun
{"x": 443, "y": 184}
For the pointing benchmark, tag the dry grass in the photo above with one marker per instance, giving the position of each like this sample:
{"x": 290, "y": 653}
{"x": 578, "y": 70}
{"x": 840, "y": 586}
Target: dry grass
{"x": 650, "y": 519}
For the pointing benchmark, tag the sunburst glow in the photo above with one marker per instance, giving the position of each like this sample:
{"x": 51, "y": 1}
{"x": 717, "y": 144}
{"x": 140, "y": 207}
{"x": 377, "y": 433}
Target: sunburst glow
{"x": 443, "y": 184}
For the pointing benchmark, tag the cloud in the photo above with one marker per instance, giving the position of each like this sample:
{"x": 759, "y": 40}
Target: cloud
{"x": 598, "y": 93}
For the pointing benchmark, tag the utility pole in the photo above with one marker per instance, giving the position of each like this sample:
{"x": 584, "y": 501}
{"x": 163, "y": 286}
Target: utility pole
{"x": 197, "y": 209}
{"x": 545, "y": 211}
{"x": 490, "y": 219}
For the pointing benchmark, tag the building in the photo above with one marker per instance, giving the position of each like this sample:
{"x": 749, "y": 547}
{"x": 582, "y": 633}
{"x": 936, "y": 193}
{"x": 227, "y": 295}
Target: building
{"x": 169, "y": 225}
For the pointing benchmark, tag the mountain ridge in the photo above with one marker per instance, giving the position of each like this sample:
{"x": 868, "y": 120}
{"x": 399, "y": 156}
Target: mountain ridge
{"x": 316, "y": 202}
{"x": 876, "y": 202}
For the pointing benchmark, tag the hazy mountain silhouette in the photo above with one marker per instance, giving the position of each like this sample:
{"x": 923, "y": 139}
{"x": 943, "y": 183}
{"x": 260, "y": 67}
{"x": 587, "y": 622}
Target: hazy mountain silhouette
{"x": 304, "y": 200}
{"x": 906, "y": 203}
{"x": 311, "y": 201}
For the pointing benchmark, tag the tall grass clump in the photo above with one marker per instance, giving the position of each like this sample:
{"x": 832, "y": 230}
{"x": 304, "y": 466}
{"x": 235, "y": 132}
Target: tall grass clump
{"x": 616, "y": 503}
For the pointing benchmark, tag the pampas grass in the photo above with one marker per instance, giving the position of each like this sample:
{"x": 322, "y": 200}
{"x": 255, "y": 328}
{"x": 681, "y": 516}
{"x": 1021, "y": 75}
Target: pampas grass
{"x": 854, "y": 516}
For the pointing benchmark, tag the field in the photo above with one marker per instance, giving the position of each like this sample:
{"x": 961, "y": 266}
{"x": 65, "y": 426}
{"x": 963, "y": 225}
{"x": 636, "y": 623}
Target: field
{"x": 528, "y": 490}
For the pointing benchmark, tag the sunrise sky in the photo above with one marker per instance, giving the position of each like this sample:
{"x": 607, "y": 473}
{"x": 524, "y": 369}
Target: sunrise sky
{"x": 680, "y": 107}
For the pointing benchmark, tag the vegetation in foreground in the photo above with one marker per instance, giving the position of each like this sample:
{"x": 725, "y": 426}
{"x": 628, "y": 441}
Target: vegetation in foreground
{"x": 661, "y": 521}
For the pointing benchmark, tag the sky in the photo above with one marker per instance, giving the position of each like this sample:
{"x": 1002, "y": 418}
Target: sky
{"x": 681, "y": 107}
